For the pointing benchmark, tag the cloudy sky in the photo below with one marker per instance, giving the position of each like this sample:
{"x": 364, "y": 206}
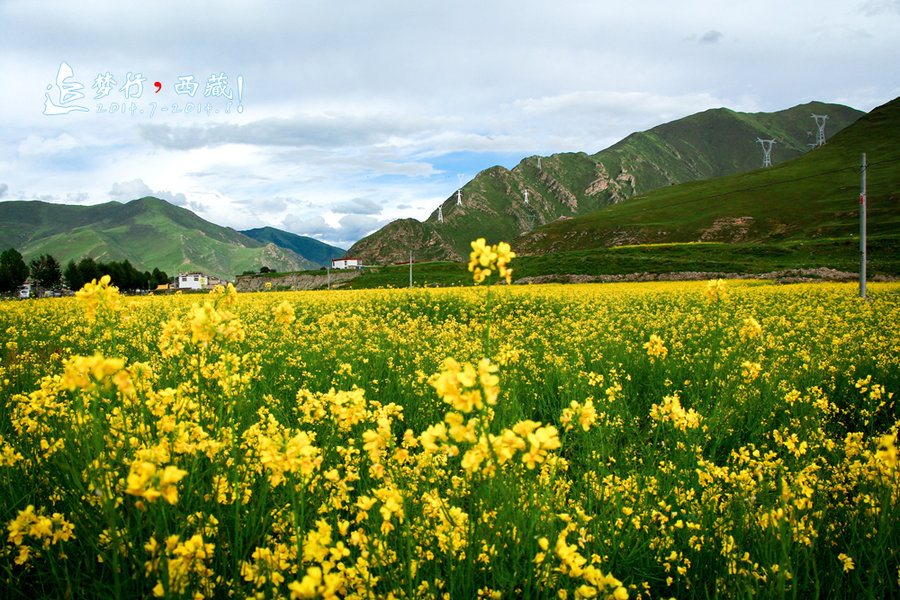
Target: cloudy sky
{"x": 330, "y": 119}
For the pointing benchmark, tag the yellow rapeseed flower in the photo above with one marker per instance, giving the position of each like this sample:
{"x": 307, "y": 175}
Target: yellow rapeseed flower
{"x": 484, "y": 259}
{"x": 716, "y": 290}
{"x": 95, "y": 294}
{"x": 655, "y": 347}
{"x": 847, "y": 562}
{"x": 284, "y": 313}
{"x": 751, "y": 329}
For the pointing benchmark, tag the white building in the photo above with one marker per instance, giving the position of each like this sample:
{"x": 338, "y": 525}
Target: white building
{"x": 346, "y": 263}
{"x": 191, "y": 281}
{"x": 25, "y": 290}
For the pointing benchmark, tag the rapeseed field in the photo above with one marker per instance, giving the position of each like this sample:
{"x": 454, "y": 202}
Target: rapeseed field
{"x": 659, "y": 440}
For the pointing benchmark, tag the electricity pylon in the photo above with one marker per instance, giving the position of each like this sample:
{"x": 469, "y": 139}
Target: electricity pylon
{"x": 767, "y": 151}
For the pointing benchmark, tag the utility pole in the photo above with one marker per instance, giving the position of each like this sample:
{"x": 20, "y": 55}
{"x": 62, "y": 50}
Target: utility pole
{"x": 410, "y": 269}
{"x": 862, "y": 228}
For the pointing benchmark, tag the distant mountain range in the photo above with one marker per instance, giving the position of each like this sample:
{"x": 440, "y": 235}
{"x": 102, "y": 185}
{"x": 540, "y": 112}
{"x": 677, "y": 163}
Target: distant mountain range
{"x": 706, "y": 145}
{"x": 812, "y": 199}
{"x": 692, "y": 180}
{"x": 307, "y": 247}
{"x": 149, "y": 233}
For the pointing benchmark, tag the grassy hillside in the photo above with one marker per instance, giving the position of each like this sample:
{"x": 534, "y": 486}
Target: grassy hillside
{"x": 709, "y": 144}
{"x": 148, "y": 232}
{"x": 812, "y": 198}
{"x": 311, "y": 249}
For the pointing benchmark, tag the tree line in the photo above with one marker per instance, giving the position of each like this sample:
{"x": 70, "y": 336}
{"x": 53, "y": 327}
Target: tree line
{"x": 47, "y": 274}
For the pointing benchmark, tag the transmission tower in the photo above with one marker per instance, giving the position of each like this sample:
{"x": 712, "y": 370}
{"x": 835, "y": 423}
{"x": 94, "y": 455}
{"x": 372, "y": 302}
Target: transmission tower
{"x": 440, "y": 215}
{"x": 459, "y": 197}
{"x": 539, "y": 163}
{"x": 530, "y": 211}
{"x": 820, "y": 135}
{"x": 767, "y": 151}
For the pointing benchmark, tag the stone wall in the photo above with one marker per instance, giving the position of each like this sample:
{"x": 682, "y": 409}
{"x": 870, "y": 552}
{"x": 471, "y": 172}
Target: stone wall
{"x": 296, "y": 281}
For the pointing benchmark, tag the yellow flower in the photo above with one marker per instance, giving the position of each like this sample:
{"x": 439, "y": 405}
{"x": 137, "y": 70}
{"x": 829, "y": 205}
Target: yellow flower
{"x": 671, "y": 410}
{"x": 284, "y": 313}
{"x": 456, "y": 384}
{"x": 484, "y": 259}
{"x": 540, "y": 441}
{"x": 46, "y": 530}
{"x": 145, "y": 481}
{"x": 750, "y": 370}
{"x": 847, "y": 562}
{"x": 655, "y": 347}
{"x": 887, "y": 450}
{"x": 95, "y": 294}
{"x": 751, "y": 329}
{"x": 716, "y": 290}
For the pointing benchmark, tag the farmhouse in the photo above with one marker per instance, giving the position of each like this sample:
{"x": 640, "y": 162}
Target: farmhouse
{"x": 346, "y": 263}
{"x": 191, "y": 281}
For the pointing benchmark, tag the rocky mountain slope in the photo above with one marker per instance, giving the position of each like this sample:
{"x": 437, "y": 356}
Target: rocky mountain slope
{"x": 811, "y": 199}
{"x": 709, "y": 144}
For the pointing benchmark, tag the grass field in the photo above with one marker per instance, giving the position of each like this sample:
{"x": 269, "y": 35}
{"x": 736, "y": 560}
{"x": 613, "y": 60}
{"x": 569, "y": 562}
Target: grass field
{"x": 756, "y": 258}
{"x": 657, "y": 440}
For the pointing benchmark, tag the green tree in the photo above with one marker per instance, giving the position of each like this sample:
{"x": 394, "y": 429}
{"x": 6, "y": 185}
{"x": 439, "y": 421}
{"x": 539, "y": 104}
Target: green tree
{"x": 89, "y": 270}
{"x": 13, "y": 270}
{"x": 158, "y": 278}
{"x": 72, "y": 276}
{"x": 45, "y": 271}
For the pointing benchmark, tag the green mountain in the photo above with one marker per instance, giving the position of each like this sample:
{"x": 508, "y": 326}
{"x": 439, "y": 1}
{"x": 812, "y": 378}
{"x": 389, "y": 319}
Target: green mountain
{"x": 148, "y": 232}
{"x": 307, "y": 247}
{"x": 708, "y": 144}
{"x": 811, "y": 199}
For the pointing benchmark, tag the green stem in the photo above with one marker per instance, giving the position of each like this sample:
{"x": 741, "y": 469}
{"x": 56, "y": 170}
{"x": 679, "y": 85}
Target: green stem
{"x": 487, "y": 331}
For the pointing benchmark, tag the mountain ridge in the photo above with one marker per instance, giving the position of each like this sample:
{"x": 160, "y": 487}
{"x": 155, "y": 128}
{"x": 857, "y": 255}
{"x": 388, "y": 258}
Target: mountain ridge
{"x": 149, "y": 232}
{"x": 707, "y": 144}
{"x": 312, "y": 249}
{"x": 813, "y": 197}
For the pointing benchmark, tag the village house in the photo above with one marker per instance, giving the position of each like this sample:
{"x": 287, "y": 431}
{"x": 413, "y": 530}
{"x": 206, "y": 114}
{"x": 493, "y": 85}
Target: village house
{"x": 194, "y": 281}
{"x": 346, "y": 263}
{"x": 191, "y": 281}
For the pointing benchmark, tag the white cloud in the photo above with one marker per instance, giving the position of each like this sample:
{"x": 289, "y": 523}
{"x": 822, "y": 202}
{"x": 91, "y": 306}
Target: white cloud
{"x": 349, "y": 228}
{"x": 37, "y": 146}
{"x": 356, "y": 116}
{"x": 358, "y": 206}
{"x": 132, "y": 190}
{"x": 874, "y": 8}
{"x": 329, "y": 130}
{"x": 616, "y": 102}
